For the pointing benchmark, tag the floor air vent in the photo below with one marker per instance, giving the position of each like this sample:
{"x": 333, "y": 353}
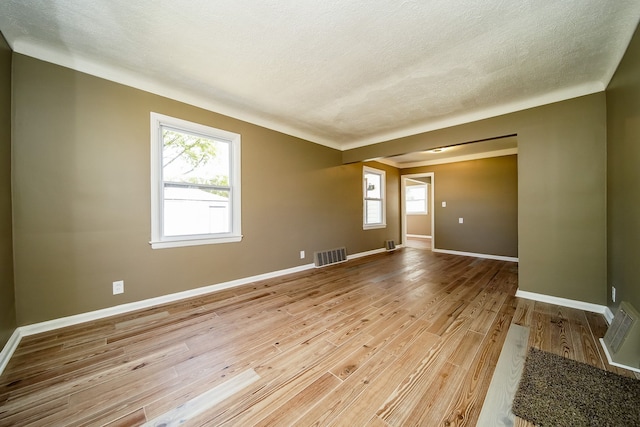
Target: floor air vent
{"x": 332, "y": 256}
{"x": 622, "y": 340}
{"x": 390, "y": 245}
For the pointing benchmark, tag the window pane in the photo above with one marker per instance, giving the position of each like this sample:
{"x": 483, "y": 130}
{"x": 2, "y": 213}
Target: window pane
{"x": 416, "y": 206}
{"x": 416, "y": 199}
{"x": 416, "y": 192}
{"x": 373, "y": 211}
{"x": 194, "y": 211}
{"x": 372, "y": 185}
{"x": 194, "y": 159}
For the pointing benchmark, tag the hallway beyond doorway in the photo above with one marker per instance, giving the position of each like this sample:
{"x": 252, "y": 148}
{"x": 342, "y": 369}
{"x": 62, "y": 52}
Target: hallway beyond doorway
{"x": 418, "y": 242}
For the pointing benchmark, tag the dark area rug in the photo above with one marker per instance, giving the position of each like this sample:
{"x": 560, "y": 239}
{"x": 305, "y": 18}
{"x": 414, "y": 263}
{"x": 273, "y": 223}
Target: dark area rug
{"x": 555, "y": 391}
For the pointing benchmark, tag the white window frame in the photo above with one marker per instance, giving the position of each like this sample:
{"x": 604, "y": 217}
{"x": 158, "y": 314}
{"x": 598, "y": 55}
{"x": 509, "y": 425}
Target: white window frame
{"x": 158, "y": 239}
{"x": 383, "y": 198}
{"x": 426, "y": 198}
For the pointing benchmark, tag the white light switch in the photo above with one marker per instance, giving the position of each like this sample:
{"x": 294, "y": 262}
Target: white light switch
{"x": 460, "y": 220}
{"x": 444, "y": 204}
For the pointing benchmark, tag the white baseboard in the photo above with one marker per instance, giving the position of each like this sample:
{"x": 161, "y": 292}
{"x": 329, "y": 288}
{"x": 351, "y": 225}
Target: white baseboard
{"x": 487, "y": 256}
{"x": 51, "y": 325}
{"x": 363, "y": 254}
{"x": 608, "y": 315}
{"x": 9, "y": 348}
{"x": 611, "y": 362}
{"x": 565, "y": 302}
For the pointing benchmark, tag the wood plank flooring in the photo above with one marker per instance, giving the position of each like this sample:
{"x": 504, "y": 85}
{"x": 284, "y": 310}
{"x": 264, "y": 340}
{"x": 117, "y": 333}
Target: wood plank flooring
{"x": 403, "y": 338}
{"x": 418, "y": 242}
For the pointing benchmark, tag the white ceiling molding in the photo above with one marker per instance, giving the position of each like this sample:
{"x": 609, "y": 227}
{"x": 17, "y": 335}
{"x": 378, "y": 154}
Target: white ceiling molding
{"x": 139, "y": 81}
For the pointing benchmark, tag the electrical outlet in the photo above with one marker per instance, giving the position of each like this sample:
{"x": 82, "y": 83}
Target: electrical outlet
{"x": 118, "y": 287}
{"x": 613, "y": 294}
{"x": 301, "y": 254}
{"x": 460, "y": 220}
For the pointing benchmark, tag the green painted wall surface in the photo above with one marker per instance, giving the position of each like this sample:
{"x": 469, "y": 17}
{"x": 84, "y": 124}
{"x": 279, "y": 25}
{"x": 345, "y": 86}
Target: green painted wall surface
{"x": 419, "y": 225}
{"x": 7, "y": 300}
{"x": 561, "y": 190}
{"x": 623, "y": 177}
{"x": 82, "y": 198}
{"x": 485, "y": 194}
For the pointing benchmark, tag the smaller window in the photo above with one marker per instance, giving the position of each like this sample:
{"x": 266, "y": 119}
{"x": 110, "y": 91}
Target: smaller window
{"x": 416, "y": 196}
{"x": 374, "y": 198}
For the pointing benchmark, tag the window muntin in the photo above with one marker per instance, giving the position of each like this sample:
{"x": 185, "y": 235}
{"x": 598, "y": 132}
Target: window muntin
{"x": 374, "y": 212}
{"x": 195, "y": 184}
{"x": 416, "y": 199}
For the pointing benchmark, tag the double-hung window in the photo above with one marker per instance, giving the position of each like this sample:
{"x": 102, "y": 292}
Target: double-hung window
{"x": 195, "y": 184}
{"x": 416, "y": 199}
{"x": 374, "y": 198}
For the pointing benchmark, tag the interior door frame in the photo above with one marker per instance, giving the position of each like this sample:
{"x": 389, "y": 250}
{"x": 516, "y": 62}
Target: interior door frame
{"x": 403, "y": 180}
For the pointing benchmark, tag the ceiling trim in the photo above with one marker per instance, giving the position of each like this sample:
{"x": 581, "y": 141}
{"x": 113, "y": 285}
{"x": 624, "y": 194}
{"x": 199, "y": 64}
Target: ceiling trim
{"x": 135, "y": 80}
{"x": 476, "y": 156}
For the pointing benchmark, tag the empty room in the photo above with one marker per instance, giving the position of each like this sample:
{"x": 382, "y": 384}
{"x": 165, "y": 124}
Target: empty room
{"x": 332, "y": 213}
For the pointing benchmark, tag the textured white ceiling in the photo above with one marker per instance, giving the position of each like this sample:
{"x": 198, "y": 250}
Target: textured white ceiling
{"x": 336, "y": 72}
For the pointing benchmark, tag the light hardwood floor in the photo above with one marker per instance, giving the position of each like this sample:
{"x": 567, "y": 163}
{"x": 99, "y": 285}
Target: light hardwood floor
{"x": 403, "y": 338}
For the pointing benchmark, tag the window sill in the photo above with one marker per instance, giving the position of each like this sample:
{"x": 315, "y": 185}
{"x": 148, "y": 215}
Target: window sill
{"x": 374, "y": 226}
{"x": 193, "y": 242}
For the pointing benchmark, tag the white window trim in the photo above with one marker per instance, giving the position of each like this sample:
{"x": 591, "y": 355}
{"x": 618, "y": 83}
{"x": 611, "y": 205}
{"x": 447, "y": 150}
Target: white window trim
{"x": 158, "y": 241}
{"x": 383, "y": 195}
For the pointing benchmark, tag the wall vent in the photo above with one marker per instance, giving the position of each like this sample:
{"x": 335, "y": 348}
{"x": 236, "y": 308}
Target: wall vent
{"x": 390, "y": 245}
{"x": 622, "y": 340}
{"x": 331, "y": 256}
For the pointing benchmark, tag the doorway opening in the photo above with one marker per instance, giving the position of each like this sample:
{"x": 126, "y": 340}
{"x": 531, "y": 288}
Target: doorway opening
{"x": 418, "y": 215}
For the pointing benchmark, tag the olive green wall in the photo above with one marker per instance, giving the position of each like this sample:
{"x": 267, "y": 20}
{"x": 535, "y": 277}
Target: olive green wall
{"x": 419, "y": 225}
{"x": 81, "y": 195}
{"x": 561, "y": 190}
{"x": 7, "y": 300}
{"x": 623, "y": 177}
{"x": 484, "y": 193}
{"x": 82, "y": 198}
